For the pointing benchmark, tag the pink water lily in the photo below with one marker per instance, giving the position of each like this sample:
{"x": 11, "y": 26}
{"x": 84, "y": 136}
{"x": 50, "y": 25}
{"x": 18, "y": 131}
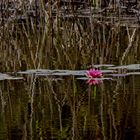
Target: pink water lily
{"x": 93, "y": 73}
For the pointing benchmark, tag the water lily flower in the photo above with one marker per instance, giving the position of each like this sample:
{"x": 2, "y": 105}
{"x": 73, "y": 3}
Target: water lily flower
{"x": 94, "y": 76}
{"x": 93, "y": 73}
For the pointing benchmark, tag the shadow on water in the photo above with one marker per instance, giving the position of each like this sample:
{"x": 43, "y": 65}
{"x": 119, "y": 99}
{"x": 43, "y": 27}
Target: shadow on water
{"x": 59, "y": 104}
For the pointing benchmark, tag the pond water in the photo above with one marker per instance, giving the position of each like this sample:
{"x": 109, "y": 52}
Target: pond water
{"x": 60, "y": 105}
{"x": 46, "y": 92}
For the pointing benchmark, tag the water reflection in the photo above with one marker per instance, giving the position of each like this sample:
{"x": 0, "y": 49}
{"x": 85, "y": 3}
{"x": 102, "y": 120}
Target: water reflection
{"x": 43, "y": 108}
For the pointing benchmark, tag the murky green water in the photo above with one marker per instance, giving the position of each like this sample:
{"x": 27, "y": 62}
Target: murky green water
{"x": 64, "y": 107}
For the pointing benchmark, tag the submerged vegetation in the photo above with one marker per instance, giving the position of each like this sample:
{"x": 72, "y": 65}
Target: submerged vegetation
{"x": 45, "y": 51}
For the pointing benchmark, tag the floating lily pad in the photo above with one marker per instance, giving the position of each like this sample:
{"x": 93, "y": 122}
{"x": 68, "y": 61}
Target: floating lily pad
{"x": 42, "y": 71}
{"x": 133, "y": 67}
{"x": 13, "y": 78}
{"x": 34, "y": 71}
{"x": 47, "y": 72}
{"x": 119, "y": 75}
{"x": 133, "y": 73}
{"x": 62, "y": 73}
{"x": 117, "y": 67}
{"x": 107, "y": 71}
{"x": 86, "y": 78}
{"x": 8, "y": 77}
{"x": 128, "y": 67}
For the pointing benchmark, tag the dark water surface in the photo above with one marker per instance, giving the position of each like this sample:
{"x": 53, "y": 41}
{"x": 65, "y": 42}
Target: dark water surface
{"x": 56, "y": 107}
{"x": 37, "y": 103}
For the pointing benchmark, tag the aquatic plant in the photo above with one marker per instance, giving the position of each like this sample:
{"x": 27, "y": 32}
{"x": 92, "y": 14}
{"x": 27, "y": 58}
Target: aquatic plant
{"x": 93, "y": 73}
{"x": 94, "y": 76}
